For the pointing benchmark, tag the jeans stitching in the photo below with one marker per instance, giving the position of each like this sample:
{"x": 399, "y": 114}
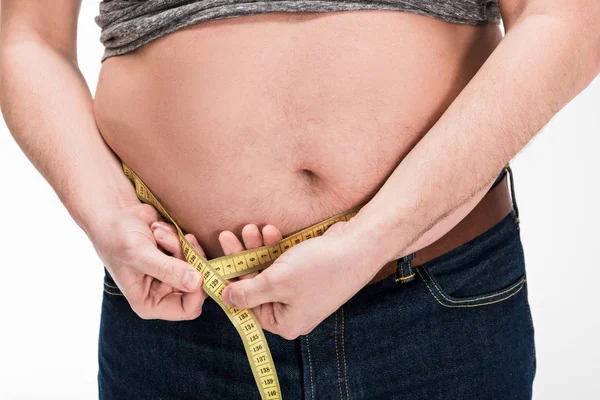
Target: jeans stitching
{"x": 337, "y": 356}
{"x": 113, "y": 294}
{"x": 110, "y": 286}
{"x": 474, "y": 299}
{"x": 344, "y": 357}
{"x": 532, "y": 327}
{"x": 402, "y": 272}
{"x": 469, "y": 305}
{"x": 310, "y": 369}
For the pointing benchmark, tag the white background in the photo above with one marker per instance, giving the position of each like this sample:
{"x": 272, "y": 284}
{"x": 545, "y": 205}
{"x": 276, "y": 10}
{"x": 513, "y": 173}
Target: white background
{"x": 50, "y": 294}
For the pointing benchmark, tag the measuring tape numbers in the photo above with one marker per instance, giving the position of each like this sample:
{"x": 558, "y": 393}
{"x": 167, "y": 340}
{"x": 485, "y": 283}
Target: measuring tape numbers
{"x": 217, "y": 271}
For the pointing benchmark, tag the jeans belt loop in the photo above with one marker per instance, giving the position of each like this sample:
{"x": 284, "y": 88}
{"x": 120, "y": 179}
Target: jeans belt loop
{"x": 404, "y": 270}
{"x": 515, "y": 209}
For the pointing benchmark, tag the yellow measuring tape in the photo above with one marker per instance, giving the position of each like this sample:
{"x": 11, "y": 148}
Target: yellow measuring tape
{"x": 216, "y": 272}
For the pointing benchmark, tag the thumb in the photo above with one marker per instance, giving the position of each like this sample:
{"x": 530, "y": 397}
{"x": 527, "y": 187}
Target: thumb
{"x": 249, "y": 293}
{"x": 170, "y": 270}
{"x": 335, "y": 228}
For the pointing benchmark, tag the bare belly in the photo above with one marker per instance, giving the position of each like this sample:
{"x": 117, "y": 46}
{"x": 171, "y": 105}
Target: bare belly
{"x": 284, "y": 119}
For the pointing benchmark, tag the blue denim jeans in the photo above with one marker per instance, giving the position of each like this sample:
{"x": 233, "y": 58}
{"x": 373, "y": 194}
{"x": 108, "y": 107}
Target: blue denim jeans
{"x": 461, "y": 330}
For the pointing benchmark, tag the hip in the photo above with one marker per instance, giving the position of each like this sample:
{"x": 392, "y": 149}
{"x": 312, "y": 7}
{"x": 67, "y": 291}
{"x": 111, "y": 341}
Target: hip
{"x": 462, "y": 326}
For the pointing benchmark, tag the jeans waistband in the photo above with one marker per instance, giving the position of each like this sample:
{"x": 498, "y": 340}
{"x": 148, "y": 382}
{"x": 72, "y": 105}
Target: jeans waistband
{"x": 505, "y": 170}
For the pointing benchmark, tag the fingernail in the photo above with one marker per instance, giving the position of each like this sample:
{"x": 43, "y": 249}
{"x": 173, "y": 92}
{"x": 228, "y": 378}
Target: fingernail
{"x": 191, "y": 280}
{"x": 158, "y": 224}
{"x": 159, "y": 233}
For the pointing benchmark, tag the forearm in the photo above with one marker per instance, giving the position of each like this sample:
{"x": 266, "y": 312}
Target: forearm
{"x": 49, "y": 111}
{"x": 541, "y": 64}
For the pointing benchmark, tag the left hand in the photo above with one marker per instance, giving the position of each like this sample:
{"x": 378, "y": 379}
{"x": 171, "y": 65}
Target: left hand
{"x": 307, "y": 283}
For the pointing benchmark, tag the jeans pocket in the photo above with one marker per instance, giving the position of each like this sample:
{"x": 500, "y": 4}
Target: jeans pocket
{"x": 486, "y": 270}
{"x": 110, "y": 287}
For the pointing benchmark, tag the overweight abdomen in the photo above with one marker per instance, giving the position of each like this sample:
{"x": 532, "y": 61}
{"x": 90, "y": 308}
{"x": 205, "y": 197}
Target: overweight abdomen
{"x": 281, "y": 119}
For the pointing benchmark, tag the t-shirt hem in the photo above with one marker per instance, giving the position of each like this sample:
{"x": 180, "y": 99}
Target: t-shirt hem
{"x": 225, "y": 12}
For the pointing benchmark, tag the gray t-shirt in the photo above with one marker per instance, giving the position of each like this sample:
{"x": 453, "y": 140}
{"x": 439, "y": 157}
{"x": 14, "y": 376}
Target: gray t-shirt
{"x": 129, "y": 24}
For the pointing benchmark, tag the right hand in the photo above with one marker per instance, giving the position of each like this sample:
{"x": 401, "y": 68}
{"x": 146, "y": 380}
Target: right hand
{"x": 156, "y": 285}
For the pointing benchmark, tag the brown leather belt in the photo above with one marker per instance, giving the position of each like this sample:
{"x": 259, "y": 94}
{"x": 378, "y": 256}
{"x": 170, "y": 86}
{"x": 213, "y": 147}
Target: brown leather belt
{"x": 490, "y": 210}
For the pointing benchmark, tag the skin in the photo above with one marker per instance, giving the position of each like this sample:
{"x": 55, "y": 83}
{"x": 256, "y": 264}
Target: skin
{"x": 551, "y": 52}
{"x": 284, "y": 157}
{"x": 166, "y": 237}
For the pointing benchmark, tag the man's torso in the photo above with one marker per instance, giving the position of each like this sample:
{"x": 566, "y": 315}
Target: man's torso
{"x": 284, "y": 119}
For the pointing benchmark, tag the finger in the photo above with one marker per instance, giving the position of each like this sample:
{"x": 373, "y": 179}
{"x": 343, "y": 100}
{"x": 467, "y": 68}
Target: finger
{"x": 248, "y": 276}
{"x": 192, "y": 302}
{"x": 194, "y": 242}
{"x": 251, "y": 236}
{"x": 249, "y": 293}
{"x": 335, "y": 228}
{"x": 268, "y": 315}
{"x": 252, "y": 239}
{"x": 230, "y": 243}
{"x": 161, "y": 301}
{"x": 146, "y": 213}
{"x": 169, "y": 241}
{"x": 170, "y": 270}
{"x": 177, "y": 306}
{"x": 167, "y": 237}
{"x": 163, "y": 225}
{"x": 271, "y": 235}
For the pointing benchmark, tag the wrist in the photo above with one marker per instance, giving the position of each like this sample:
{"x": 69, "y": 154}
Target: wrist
{"x": 372, "y": 239}
{"x": 91, "y": 199}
